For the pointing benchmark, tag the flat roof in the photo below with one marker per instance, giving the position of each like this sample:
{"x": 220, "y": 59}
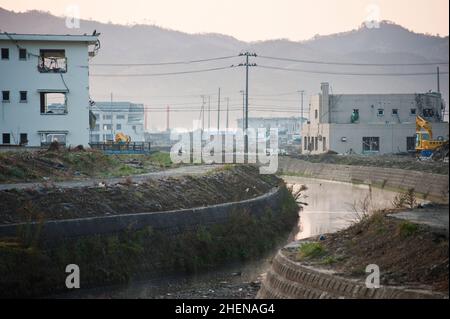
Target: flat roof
{"x": 49, "y": 37}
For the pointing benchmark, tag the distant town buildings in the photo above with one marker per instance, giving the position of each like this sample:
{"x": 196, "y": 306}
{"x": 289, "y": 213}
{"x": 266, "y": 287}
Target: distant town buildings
{"x": 369, "y": 123}
{"x": 45, "y": 89}
{"x": 288, "y": 127}
{"x": 117, "y": 117}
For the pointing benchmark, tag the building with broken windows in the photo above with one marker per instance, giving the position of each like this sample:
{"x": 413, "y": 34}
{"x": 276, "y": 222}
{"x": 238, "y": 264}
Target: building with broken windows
{"x": 44, "y": 84}
{"x": 369, "y": 123}
{"x": 117, "y": 117}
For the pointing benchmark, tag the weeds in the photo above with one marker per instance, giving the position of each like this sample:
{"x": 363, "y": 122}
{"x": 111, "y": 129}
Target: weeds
{"x": 407, "y": 229}
{"x": 311, "y": 251}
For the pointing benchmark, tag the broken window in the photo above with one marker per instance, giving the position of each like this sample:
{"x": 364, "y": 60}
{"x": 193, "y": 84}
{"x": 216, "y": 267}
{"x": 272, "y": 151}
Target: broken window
{"x": 428, "y": 112}
{"x": 371, "y": 144}
{"x": 52, "y": 61}
{"x": 53, "y": 103}
{"x": 22, "y": 54}
{"x": 394, "y": 111}
{"x": 413, "y": 112}
{"x": 5, "y": 54}
{"x": 5, "y": 96}
{"x": 23, "y": 96}
{"x": 23, "y": 138}
{"x": 6, "y": 138}
{"x": 380, "y": 112}
{"x": 47, "y": 138}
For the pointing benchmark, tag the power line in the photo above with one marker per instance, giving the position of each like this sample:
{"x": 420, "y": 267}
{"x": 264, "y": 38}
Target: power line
{"x": 353, "y": 63}
{"x": 161, "y": 74}
{"x": 165, "y": 63}
{"x": 347, "y": 73}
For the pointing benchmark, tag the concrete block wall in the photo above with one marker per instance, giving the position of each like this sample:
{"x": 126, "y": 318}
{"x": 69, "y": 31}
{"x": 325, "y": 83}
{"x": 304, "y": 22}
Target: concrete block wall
{"x": 171, "y": 222}
{"x": 429, "y": 185}
{"x": 292, "y": 280}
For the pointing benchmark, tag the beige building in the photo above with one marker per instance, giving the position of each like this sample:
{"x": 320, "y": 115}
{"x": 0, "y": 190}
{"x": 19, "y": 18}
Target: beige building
{"x": 369, "y": 123}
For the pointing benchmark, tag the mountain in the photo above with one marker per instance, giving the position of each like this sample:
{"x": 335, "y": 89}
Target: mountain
{"x": 268, "y": 88}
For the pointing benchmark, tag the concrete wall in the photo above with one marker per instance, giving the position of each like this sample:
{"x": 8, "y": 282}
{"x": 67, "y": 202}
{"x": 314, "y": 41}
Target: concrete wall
{"x": 292, "y": 280}
{"x": 171, "y": 222}
{"x": 431, "y": 186}
{"x": 22, "y": 75}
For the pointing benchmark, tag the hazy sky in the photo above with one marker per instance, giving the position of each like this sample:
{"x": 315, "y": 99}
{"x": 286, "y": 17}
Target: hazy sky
{"x": 255, "y": 19}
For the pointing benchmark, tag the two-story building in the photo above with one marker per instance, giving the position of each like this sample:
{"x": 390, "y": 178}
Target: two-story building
{"x": 369, "y": 123}
{"x": 115, "y": 117}
{"x": 44, "y": 87}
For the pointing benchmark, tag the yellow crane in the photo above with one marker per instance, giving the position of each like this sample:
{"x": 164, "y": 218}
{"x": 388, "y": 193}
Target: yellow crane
{"x": 425, "y": 145}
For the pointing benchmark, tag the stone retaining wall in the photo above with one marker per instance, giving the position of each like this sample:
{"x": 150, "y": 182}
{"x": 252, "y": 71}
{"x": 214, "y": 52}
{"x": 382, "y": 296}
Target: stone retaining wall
{"x": 172, "y": 222}
{"x": 429, "y": 185}
{"x": 291, "y": 280}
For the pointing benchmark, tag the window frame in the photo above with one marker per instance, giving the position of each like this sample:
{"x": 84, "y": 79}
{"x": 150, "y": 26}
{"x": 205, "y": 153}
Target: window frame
{"x": 370, "y": 143}
{"x": 26, "y": 54}
{"x": 3, "y": 96}
{"x": 42, "y": 68}
{"x": 7, "y": 54}
{"x": 3, "y": 138}
{"x": 44, "y": 105}
{"x": 20, "y": 97}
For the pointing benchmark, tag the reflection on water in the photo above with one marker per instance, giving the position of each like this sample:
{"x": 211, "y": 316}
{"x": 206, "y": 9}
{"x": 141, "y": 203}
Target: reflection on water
{"x": 332, "y": 206}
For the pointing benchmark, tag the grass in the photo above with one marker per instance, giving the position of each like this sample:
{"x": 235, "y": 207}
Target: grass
{"x": 311, "y": 251}
{"x": 407, "y": 229}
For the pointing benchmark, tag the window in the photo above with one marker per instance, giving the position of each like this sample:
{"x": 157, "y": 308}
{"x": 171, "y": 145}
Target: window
{"x": 47, "y": 138}
{"x": 52, "y": 61}
{"x": 120, "y": 117}
{"x": 5, "y": 96}
{"x": 96, "y": 127}
{"x": 23, "y": 96}
{"x": 428, "y": 112}
{"x": 53, "y": 103}
{"x": 380, "y": 112}
{"x": 316, "y": 143}
{"x": 134, "y": 127}
{"x": 371, "y": 144}
{"x": 6, "y": 138}
{"x": 118, "y": 126}
{"x": 413, "y": 112}
{"x": 411, "y": 143}
{"x": 95, "y": 138}
{"x": 324, "y": 144}
{"x": 394, "y": 111}
{"x": 107, "y": 127}
{"x": 316, "y": 114}
{"x": 22, "y": 54}
{"x": 23, "y": 138}
{"x": 305, "y": 146}
{"x": 5, "y": 54}
{"x": 107, "y": 137}
{"x": 107, "y": 117}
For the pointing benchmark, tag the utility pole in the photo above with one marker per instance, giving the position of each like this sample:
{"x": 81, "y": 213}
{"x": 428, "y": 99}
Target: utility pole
{"x": 218, "y": 113}
{"x": 301, "y": 110}
{"x": 243, "y": 110}
{"x": 209, "y": 113}
{"x": 112, "y": 132}
{"x": 246, "y": 64}
{"x": 203, "y": 113}
{"x": 168, "y": 118}
{"x": 228, "y": 111}
{"x": 438, "y": 81}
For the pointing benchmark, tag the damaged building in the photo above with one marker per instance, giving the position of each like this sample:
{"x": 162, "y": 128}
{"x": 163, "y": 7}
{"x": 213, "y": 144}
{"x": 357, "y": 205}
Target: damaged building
{"x": 369, "y": 123}
{"x": 44, "y": 84}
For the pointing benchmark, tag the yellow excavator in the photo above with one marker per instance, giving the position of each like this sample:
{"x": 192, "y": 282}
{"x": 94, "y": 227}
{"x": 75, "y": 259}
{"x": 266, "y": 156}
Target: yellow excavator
{"x": 122, "y": 138}
{"x": 425, "y": 145}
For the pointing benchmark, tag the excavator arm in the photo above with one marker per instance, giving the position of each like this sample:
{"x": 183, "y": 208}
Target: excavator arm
{"x": 422, "y": 124}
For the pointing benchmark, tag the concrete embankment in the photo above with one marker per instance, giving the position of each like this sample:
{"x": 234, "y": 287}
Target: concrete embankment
{"x": 290, "y": 278}
{"x": 430, "y": 186}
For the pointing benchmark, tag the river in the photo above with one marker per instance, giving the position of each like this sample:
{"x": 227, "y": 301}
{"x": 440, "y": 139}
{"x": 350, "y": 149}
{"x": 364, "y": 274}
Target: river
{"x": 329, "y": 207}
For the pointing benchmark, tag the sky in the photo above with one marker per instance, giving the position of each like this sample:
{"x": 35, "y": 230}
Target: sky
{"x": 253, "y": 20}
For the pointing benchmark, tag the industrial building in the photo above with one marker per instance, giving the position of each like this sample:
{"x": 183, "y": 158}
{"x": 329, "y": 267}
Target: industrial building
{"x": 114, "y": 117}
{"x": 44, "y": 86}
{"x": 369, "y": 123}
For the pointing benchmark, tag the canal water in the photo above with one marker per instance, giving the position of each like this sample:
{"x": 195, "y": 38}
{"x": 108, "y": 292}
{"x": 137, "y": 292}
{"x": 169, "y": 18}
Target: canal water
{"x": 328, "y": 207}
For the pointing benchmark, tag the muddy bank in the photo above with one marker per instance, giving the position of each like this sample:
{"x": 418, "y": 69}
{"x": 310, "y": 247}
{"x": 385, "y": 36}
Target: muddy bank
{"x": 226, "y": 184}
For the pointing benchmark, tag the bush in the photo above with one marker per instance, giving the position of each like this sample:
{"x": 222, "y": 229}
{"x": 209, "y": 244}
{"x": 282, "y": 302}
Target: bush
{"x": 311, "y": 250}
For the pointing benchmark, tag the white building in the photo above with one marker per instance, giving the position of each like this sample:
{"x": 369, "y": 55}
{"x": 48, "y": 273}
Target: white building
{"x": 369, "y": 123}
{"x": 288, "y": 127}
{"x": 115, "y": 117}
{"x": 44, "y": 84}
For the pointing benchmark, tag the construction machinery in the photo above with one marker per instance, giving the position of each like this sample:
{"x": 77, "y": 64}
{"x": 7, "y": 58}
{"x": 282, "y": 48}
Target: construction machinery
{"x": 426, "y": 147}
{"x": 122, "y": 138}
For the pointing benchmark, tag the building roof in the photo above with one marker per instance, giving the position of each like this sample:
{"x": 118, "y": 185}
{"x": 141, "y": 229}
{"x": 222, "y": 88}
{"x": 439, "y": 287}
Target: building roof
{"x": 91, "y": 39}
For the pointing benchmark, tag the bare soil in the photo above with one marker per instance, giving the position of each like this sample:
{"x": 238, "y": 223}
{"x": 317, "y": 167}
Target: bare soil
{"x": 408, "y": 254}
{"x": 225, "y": 184}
